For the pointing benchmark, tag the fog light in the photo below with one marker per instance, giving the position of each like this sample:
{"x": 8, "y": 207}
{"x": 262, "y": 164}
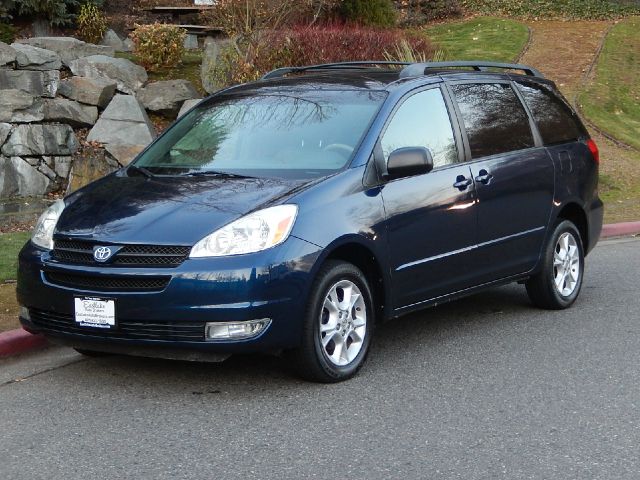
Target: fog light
{"x": 24, "y": 313}
{"x": 236, "y": 330}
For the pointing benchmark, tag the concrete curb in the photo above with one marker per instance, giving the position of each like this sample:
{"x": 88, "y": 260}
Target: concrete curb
{"x": 620, "y": 229}
{"x": 15, "y": 342}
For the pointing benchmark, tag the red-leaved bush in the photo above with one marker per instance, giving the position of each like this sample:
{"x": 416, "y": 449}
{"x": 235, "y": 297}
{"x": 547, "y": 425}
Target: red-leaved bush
{"x": 299, "y": 46}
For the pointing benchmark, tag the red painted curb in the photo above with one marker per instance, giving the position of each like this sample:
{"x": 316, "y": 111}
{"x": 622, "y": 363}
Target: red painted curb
{"x": 19, "y": 341}
{"x": 620, "y": 229}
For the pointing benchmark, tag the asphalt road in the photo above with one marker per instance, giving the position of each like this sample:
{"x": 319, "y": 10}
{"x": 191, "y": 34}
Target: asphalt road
{"x": 487, "y": 387}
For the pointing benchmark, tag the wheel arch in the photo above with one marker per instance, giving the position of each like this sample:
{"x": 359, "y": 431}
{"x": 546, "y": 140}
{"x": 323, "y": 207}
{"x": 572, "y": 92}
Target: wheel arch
{"x": 573, "y": 212}
{"x": 357, "y": 251}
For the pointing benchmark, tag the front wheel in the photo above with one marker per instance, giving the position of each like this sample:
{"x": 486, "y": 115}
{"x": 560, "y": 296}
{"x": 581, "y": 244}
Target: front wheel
{"x": 558, "y": 283}
{"x": 338, "y": 325}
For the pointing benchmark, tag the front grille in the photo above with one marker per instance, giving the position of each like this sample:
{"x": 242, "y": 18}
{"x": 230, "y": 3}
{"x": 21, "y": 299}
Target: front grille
{"x": 81, "y": 252}
{"x": 169, "y": 331}
{"x": 109, "y": 283}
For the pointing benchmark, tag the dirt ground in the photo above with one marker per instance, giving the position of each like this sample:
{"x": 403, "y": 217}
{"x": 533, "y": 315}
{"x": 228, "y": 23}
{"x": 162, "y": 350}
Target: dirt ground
{"x": 564, "y": 52}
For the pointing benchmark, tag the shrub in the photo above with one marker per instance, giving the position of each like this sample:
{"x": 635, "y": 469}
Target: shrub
{"x": 381, "y": 13}
{"x": 158, "y": 45}
{"x": 571, "y": 9}
{"x": 7, "y": 32}
{"x": 417, "y": 12}
{"x": 91, "y": 23}
{"x": 57, "y": 12}
{"x": 300, "y": 46}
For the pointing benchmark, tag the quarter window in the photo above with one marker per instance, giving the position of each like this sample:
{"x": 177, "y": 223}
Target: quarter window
{"x": 556, "y": 121}
{"x": 495, "y": 120}
{"x": 422, "y": 121}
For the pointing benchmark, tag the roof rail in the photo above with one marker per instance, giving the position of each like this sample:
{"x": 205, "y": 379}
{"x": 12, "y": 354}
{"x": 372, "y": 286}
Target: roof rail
{"x": 417, "y": 69}
{"x": 281, "y": 72}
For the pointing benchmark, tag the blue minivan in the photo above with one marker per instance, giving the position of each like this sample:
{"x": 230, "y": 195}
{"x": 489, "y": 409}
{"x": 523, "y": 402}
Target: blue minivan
{"x": 294, "y": 213}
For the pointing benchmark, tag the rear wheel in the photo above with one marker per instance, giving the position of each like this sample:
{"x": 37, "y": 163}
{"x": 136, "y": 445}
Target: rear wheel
{"x": 338, "y": 325}
{"x": 558, "y": 283}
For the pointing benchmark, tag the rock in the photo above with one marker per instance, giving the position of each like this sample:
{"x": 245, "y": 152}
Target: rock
{"x": 69, "y": 48}
{"x": 112, "y": 39}
{"x": 18, "y": 178}
{"x": 128, "y": 45}
{"x": 166, "y": 97}
{"x": 70, "y": 112}
{"x": 124, "y": 122}
{"x": 32, "y": 140}
{"x": 60, "y": 165}
{"x": 92, "y": 91}
{"x": 124, "y": 154}
{"x": 85, "y": 170}
{"x": 212, "y": 48}
{"x": 20, "y": 107}
{"x": 5, "y": 130}
{"x": 129, "y": 76}
{"x": 7, "y": 54}
{"x": 188, "y": 105}
{"x": 35, "y": 58}
{"x": 41, "y": 84}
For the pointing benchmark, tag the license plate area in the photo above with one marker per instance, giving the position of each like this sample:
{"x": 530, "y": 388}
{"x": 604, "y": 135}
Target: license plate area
{"x": 94, "y": 312}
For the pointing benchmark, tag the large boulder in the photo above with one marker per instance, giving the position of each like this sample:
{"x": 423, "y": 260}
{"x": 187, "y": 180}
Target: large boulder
{"x": 128, "y": 76}
{"x": 167, "y": 97}
{"x": 60, "y": 165}
{"x": 124, "y": 127}
{"x": 69, "y": 48}
{"x": 92, "y": 91}
{"x": 41, "y": 84}
{"x": 89, "y": 168}
{"x": 33, "y": 140}
{"x": 35, "y": 58}
{"x": 18, "y": 106}
{"x": 188, "y": 105}
{"x": 70, "y": 112}
{"x": 18, "y": 178}
{"x": 112, "y": 39}
{"x": 5, "y": 130}
{"x": 7, "y": 54}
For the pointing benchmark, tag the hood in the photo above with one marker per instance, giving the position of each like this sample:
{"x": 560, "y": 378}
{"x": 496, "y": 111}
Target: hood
{"x": 165, "y": 210}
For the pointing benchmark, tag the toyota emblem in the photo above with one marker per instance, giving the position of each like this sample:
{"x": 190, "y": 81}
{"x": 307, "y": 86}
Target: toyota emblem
{"x": 101, "y": 254}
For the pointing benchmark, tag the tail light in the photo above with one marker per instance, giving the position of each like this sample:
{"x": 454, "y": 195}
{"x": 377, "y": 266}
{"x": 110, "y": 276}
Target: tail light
{"x": 593, "y": 148}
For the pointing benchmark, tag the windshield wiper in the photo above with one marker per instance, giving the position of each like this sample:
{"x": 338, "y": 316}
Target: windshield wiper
{"x": 215, "y": 173}
{"x": 141, "y": 170}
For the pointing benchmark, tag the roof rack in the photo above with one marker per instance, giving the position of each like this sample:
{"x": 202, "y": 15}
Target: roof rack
{"x": 417, "y": 69}
{"x": 281, "y": 72}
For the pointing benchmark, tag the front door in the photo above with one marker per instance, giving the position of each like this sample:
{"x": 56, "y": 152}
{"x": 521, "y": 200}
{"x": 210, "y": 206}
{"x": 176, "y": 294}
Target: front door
{"x": 431, "y": 218}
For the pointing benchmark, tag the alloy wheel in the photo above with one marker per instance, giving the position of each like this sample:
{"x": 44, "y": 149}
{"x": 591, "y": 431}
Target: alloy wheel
{"x": 566, "y": 264}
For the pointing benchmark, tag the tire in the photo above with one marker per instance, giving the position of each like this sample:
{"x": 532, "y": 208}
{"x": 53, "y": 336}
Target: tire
{"x": 330, "y": 325}
{"x": 91, "y": 353}
{"x": 559, "y": 281}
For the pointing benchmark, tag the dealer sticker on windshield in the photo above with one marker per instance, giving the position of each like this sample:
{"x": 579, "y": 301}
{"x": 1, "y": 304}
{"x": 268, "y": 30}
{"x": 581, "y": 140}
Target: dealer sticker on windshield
{"x": 95, "y": 312}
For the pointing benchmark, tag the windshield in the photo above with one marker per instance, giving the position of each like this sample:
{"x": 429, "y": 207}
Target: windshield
{"x": 294, "y": 135}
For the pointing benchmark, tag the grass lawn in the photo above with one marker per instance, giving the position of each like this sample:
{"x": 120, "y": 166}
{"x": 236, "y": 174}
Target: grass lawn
{"x": 189, "y": 69}
{"x": 480, "y": 38}
{"x": 612, "y": 99}
{"x": 10, "y": 245}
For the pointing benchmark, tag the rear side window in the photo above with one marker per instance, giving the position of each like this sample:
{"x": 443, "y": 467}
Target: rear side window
{"x": 556, "y": 121}
{"x": 422, "y": 121}
{"x": 495, "y": 120}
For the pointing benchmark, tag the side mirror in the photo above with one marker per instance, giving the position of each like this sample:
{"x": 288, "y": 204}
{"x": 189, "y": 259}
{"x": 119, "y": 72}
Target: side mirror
{"x": 409, "y": 161}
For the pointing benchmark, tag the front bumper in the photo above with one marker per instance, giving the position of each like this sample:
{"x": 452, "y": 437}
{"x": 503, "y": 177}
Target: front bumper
{"x": 272, "y": 284}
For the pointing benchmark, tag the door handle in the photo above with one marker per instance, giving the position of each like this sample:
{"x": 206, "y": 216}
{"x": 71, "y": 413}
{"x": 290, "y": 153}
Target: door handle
{"x": 484, "y": 177}
{"x": 462, "y": 182}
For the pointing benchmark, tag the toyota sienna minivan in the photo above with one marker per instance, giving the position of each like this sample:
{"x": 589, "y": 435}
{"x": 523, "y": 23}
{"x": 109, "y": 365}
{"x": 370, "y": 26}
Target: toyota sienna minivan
{"x": 295, "y": 213}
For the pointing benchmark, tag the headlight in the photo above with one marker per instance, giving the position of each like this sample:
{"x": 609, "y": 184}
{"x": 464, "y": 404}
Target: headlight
{"x": 252, "y": 233}
{"x": 43, "y": 233}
